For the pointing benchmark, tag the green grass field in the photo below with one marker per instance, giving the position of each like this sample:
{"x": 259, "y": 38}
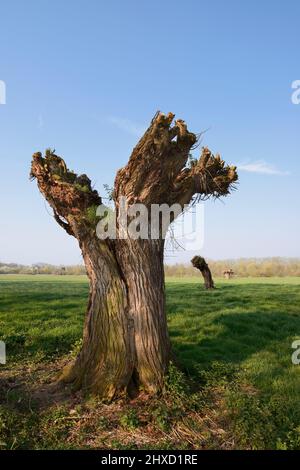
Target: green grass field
{"x": 234, "y": 345}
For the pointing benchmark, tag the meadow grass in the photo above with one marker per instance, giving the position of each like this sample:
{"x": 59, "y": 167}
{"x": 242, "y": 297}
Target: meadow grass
{"x": 234, "y": 344}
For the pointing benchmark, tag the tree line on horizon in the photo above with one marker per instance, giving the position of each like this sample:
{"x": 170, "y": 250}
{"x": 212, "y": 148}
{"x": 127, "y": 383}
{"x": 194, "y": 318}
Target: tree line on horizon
{"x": 243, "y": 267}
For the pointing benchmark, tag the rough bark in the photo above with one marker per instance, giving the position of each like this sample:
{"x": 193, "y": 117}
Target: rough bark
{"x": 199, "y": 263}
{"x": 125, "y": 341}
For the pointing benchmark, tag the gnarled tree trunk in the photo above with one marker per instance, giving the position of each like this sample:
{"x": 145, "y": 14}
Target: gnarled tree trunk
{"x": 199, "y": 263}
{"x": 125, "y": 341}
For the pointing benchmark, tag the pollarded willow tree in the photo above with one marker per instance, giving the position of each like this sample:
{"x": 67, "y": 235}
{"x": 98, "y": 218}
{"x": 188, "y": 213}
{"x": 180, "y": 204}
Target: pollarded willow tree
{"x": 125, "y": 340}
{"x": 199, "y": 263}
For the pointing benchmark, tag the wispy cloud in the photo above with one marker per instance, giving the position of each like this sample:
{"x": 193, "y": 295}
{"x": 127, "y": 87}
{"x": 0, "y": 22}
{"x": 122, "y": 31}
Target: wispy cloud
{"x": 127, "y": 126}
{"x": 262, "y": 167}
{"x": 40, "y": 122}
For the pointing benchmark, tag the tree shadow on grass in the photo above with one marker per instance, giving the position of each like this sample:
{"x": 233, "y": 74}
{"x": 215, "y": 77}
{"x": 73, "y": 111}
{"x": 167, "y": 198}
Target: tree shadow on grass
{"x": 242, "y": 335}
{"x": 32, "y": 299}
{"x": 232, "y": 323}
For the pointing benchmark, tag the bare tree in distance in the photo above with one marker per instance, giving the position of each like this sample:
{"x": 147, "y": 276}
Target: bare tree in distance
{"x": 199, "y": 263}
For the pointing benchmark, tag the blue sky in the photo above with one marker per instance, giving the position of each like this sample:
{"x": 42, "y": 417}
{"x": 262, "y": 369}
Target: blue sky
{"x": 86, "y": 77}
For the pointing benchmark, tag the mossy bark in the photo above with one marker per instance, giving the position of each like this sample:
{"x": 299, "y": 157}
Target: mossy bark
{"x": 104, "y": 365}
{"x": 125, "y": 341}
